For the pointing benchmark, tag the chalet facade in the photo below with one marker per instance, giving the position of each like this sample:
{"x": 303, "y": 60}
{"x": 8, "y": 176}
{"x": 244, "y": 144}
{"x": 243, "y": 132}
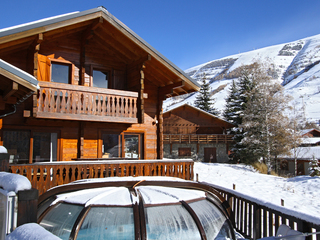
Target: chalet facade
{"x": 83, "y": 86}
{"x": 308, "y": 151}
{"x": 192, "y": 133}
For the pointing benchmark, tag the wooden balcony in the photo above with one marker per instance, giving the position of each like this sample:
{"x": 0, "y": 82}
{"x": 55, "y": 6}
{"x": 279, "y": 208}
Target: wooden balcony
{"x": 44, "y": 176}
{"x": 73, "y": 102}
{"x": 197, "y": 138}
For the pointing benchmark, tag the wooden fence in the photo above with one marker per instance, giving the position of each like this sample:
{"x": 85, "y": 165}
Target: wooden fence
{"x": 44, "y": 176}
{"x": 256, "y": 221}
{"x": 197, "y": 138}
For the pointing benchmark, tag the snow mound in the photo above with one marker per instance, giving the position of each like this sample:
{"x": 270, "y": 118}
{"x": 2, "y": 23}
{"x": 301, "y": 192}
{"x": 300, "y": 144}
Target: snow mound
{"x": 31, "y": 231}
{"x": 14, "y": 182}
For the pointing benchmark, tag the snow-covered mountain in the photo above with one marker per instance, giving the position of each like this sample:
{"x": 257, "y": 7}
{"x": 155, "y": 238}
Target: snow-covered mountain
{"x": 295, "y": 65}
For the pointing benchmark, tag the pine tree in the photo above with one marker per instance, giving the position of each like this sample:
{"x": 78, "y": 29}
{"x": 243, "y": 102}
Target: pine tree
{"x": 236, "y": 105}
{"x": 203, "y": 99}
{"x": 233, "y": 106}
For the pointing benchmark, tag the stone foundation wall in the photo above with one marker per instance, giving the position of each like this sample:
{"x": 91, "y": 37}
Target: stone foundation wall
{"x": 221, "y": 151}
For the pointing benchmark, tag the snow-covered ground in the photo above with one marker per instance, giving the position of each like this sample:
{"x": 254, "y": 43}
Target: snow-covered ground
{"x": 300, "y": 194}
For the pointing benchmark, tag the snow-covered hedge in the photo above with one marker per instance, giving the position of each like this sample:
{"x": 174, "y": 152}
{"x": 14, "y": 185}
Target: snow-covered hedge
{"x": 31, "y": 231}
{"x": 14, "y": 182}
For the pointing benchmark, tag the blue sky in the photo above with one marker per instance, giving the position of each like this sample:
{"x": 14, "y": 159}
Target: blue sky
{"x": 190, "y": 32}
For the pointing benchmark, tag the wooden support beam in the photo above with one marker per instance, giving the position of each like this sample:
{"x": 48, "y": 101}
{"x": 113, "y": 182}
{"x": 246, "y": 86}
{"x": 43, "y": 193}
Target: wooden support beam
{"x": 10, "y": 91}
{"x": 34, "y": 51}
{"x": 168, "y": 89}
{"x": 89, "y": 32}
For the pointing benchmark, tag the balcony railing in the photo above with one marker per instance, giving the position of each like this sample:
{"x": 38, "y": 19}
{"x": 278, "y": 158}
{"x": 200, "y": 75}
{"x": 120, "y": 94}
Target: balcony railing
{"x": 44, "y": 176}
{"x": 72, "y": 102}
{"x": 197, "y": 138}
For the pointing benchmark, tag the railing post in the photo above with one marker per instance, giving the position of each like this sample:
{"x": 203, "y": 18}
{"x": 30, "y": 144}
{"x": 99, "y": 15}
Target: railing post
{"x": 27, "y": 206}
{"x": 4, "y": 159}
{"x": 256, "y": 221}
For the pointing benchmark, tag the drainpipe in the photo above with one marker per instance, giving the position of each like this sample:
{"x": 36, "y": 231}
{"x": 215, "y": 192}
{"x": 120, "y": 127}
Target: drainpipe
{"x": 15, "y": 105}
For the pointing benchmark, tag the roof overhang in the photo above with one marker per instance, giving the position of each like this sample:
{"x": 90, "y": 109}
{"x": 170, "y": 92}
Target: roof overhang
{"x": 199, "y": 110}
{"x": 49, "y": 24}
{"x": 16, "y": 85}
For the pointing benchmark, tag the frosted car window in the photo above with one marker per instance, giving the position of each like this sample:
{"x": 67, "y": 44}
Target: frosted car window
{"x": 212, "y": 219}
{"x": 170, "y": 222}
{"x": 60, "y": 219}
{"x": 108, "y": 223}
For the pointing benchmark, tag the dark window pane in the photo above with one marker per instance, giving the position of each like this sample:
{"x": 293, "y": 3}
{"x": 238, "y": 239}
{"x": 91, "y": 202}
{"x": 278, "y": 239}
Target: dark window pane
{"x": 100, "y": 79}
{"x": 45, "y": 147}
{"x": 18, "y": 144}
{"x": 131, "y": 146}
{"x": 60, "y": 73}
{"x": 110, "y": 146}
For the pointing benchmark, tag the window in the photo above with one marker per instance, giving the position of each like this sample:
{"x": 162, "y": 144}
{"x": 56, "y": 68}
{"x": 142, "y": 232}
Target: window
{"x": 61, "y": 219}
{"x": 100, "y": 79}
{"x": 18, "y": 145}
{"x": 184, "y": 152}
{"x": 45, "y": 146}
{"x": 124, "y": 145}
{"x": 213, "y": 221}
{"x": 170, "y": 222}
{"x": 60, "y": 72}
{"x": 132, "y": 146}
{"x": 108, "y": 223}
{"x": 111, "y": 145}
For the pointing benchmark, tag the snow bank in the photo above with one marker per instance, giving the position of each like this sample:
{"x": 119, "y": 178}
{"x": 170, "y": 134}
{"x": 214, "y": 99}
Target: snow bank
{"x": 31, "y": 231}
{"x": 14, "y": 182}
{"x": 300, "y": 194}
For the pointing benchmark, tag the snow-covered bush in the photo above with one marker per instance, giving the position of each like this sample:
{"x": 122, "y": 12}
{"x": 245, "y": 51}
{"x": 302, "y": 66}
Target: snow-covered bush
{"x": 314, "y": 167}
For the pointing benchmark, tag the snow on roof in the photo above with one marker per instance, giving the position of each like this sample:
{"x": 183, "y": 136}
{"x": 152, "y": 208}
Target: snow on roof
{"x": 311, "y": 140}
{"x": 120, "y": 196}
{"x": 18, "y": 72}
{"x": 304, "y": 131}
{"x": 161, "y": 195}
{"x": 14, "y": 182}
{"x": 305, "y": 153}
{"x": 31, "y": 231}
{"x": 115, "y": 196}
{"x": 198, "y": 109}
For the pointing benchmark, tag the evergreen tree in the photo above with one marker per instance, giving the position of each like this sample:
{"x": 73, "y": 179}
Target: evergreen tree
{"x": 314, "y": 167}
{"x": 233, "y": 106}
{"x": 203, "y": 100}
{"x": 236, "y": 105}
{"x": 267, "y": 130}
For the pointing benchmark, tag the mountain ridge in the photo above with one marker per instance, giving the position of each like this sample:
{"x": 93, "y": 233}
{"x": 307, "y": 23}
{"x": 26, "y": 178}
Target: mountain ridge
{"x": 295, "y": 65}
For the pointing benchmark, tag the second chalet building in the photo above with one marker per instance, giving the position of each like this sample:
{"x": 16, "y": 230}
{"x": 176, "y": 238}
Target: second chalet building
{"x": 190, "y": 132}
{"x": 83, "y": 86}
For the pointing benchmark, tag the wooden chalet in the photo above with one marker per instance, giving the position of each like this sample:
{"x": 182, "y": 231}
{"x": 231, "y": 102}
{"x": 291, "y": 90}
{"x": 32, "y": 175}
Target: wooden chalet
{"x": 83, "y": 86}
{"x": 193, "y": 133}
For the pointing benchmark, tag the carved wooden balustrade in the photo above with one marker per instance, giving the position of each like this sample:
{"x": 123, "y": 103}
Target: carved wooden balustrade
{"x": 73, "y": 102}
{"x": 44, "y": 176}
{"x": 197, "y": 138}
